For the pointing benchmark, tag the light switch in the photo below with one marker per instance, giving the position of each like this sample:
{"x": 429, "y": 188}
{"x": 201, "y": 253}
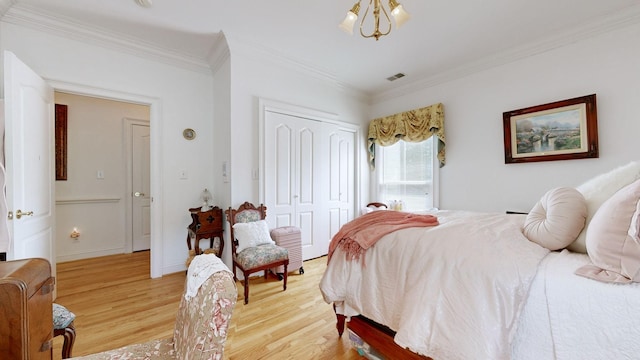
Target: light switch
{"x": 182, "y": 173}
{"x": 100, "y": 175}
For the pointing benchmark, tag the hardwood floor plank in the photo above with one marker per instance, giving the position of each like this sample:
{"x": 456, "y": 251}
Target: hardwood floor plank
{"x": 117, "y": 304}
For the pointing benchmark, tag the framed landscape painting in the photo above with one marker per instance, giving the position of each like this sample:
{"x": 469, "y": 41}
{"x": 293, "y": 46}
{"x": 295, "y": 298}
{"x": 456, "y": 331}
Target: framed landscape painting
{"x": 562, "y": 130}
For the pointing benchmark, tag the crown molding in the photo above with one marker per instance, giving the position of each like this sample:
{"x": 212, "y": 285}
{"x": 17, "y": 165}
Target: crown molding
{"x": 261, "y": 53}
{"x": 5, "y": 5}
{"x": 24, "y": 15}
{"x": 219, "y": 53}
{"x": 621, "y": 19}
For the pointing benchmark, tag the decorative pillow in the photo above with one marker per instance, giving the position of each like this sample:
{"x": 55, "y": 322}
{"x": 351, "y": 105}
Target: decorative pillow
{"x": 598, "y": 190}
{"x": 613, "y": 238}
{"x": 556, "y": 220}
{"x": 251, "y": 234}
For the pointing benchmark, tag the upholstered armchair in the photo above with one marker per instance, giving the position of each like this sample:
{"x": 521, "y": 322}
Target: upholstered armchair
{"x": 202, "y": 320}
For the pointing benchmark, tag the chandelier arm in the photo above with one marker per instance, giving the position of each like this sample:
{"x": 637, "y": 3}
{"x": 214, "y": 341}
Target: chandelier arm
{"x": 386, "y": 15}
{"x": 376, "y": 20}
{"x": 364, "y": 17}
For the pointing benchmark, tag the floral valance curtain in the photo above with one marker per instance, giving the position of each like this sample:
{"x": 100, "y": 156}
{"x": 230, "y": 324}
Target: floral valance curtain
{"x": 411, "y": 126}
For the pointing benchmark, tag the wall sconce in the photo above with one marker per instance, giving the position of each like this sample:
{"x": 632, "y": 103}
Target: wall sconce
{"x": 75, "y": 233}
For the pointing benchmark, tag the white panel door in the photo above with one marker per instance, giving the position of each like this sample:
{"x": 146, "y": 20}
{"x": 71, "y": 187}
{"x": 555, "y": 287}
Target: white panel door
{"x": 341, "y": 195}
{"x": 312, "y": 183}
{"x": 141, "y": 203}
{"x": 29, "y": 148}
{"x": 295, "y": 164}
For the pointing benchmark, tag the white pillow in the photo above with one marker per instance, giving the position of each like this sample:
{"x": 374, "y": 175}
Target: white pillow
{"x": 556, "y": 220}
{"x": 251, "y": 234}
{"x": 598, "y": 190}
{"x": 613, "y": 239}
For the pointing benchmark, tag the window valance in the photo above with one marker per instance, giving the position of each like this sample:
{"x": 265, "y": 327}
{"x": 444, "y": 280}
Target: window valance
{"x": 411, "y": 126}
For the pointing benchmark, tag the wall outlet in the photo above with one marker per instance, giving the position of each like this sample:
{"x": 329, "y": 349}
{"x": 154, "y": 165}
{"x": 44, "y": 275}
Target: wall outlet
{"x": 183, "y": 174}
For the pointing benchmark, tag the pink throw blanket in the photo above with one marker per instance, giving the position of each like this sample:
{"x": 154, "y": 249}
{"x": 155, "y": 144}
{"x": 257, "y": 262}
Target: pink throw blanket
{"x": 361, "y": 233}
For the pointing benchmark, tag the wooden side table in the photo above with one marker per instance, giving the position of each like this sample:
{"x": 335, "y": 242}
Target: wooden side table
{"x": 205, "y": 225}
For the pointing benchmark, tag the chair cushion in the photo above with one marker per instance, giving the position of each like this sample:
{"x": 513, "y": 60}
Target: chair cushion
{"x": 247, "y": 216}
{"x": 261, "y": 255}
{"x": 62, "y": 317}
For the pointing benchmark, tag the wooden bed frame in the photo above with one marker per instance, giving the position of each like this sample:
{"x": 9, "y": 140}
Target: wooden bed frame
{"x": 377, "y": 336}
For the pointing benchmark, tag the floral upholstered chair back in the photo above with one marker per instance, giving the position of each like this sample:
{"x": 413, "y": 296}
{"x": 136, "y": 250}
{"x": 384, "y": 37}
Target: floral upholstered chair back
{"x": 202, "y": 322}
{"x": 201, "y": 326}
{"x": 248, "y": 216}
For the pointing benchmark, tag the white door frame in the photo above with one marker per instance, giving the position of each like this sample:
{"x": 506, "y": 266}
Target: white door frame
{"x": 155, "y": 122}
{"x": 128, "y": 203}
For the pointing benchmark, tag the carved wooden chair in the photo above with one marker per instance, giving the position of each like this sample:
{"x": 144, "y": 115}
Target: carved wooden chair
{"x": 251, "y": 246}
{"x": 377, "y": 205}
{"x": 63, "y": 326}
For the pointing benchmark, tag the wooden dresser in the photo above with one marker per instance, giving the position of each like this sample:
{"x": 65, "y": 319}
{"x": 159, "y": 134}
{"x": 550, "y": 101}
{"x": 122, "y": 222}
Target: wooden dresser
{"x": 26, "y": 301}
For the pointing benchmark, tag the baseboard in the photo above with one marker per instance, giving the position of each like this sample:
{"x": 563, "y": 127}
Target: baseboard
{"x": 91, "y": 254}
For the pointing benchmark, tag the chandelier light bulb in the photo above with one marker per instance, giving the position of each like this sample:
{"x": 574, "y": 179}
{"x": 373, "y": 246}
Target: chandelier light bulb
{"x": 400, "y": 15}
{"x": 350, "y": 20}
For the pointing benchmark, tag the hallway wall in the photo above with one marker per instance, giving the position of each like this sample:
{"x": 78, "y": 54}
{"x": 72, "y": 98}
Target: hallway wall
{"x": 96, "y": 207}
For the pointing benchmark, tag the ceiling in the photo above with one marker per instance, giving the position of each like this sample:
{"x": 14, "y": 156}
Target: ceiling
{"x": 442, "y": 38}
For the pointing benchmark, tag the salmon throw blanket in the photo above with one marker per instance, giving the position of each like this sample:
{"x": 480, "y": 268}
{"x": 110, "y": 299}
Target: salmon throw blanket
{"x": 361, "y": 233}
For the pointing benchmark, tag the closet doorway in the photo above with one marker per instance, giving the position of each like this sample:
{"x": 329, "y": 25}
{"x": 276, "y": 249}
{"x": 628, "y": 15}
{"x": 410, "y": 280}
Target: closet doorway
{"x": 309, "y": 163}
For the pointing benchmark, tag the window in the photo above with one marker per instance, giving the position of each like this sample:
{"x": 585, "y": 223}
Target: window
{"x": 408, "y": 172}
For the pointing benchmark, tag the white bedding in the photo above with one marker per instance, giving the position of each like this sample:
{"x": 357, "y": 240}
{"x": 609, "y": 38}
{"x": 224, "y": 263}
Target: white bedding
{"x": 569, "y": 317}
{"x": 439, "y": 300}
{"x": 455, "y": 290}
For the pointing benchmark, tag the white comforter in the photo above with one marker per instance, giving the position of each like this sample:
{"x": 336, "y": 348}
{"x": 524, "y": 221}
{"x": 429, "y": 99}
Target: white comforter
{"x": 569, "y": 317}
{"x": 453, "y": 291}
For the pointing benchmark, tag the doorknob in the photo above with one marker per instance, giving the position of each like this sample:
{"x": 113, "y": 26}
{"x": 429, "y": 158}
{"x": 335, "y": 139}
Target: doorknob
{"x": 138, "y": 194}
{"x": 20, "y": 214}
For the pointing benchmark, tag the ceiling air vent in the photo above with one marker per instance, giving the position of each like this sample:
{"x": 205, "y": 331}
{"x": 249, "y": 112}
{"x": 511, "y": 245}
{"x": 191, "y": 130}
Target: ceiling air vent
{"x": 395, "y": 77}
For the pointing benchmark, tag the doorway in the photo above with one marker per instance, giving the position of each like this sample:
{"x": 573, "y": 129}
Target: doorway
{"x": 95, "y": 200}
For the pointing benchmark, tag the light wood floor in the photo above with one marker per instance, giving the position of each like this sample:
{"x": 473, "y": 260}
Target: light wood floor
{"x": 116, "y": 304}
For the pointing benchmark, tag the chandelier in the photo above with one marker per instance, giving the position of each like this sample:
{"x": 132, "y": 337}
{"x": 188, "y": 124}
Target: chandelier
{"x": 397, "y": 11}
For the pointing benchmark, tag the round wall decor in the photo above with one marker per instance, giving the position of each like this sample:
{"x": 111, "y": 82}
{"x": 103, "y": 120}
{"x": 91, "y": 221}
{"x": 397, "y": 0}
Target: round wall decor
{"x": 189, "y": 134}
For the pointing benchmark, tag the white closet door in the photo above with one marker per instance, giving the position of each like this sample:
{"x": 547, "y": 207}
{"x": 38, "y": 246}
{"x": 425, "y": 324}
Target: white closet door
{"x": 296, "y": 165}
{"x": 341, "y": 195}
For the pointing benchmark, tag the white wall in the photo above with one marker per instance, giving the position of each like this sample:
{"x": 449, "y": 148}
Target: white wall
{"x": 179, "y": 98}
{"x": 222, "y": 144}
{"x": 254, "y": 77}
{"x": 476, "y": 177}
{"x": 96, "y": 207}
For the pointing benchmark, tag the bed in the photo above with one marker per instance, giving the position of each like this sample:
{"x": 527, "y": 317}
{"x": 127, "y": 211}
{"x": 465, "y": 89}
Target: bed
{"x": 476, "y": 286}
